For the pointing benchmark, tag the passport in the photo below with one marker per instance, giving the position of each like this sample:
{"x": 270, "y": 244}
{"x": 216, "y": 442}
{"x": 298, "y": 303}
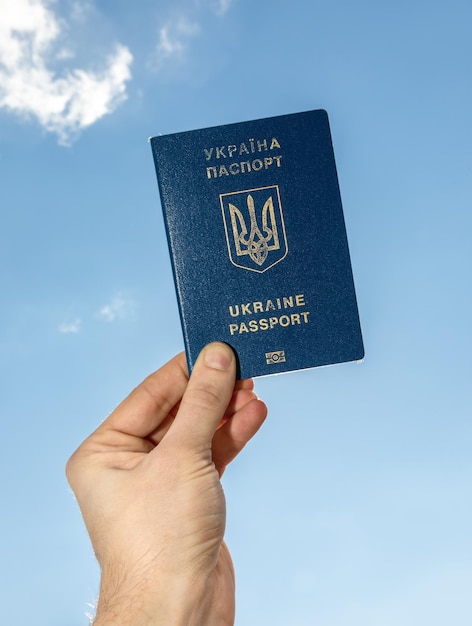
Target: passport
{"x": 258, "y": 243}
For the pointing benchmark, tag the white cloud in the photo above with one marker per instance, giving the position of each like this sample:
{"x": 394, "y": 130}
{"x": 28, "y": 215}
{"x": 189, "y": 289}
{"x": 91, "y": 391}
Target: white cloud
{"x": 30, "y": 34}
{"x": 118, "y": 308}
{"x": 71, "y": 327}
{"x": 173, "y": 39}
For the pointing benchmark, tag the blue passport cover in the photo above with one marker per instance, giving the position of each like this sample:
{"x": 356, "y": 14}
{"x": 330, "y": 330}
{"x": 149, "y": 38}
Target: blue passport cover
{"x": 258, "y": 243}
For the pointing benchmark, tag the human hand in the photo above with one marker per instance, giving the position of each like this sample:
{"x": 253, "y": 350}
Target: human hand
{"x": 148, "y": 485}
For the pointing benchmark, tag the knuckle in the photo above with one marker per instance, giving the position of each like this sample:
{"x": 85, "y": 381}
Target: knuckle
{"x": 204, "y": 396}
{"x": 72, "y": 468}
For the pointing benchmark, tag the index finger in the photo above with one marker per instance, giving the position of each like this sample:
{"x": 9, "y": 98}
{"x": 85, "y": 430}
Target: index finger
{"x": 150, "y": 403}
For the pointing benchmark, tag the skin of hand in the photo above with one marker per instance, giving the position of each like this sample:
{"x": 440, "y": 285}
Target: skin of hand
{"x": 148, "y": 485}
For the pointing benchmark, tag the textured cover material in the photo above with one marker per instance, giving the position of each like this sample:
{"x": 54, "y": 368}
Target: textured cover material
{"x": 258, "y": 243}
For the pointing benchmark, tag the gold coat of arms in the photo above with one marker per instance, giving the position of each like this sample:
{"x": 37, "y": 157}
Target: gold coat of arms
{"x": 254, "y": 228}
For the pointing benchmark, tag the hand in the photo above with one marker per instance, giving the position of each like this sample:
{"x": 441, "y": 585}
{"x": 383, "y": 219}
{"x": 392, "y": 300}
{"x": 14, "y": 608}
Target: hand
{"x": 148, "y": 485}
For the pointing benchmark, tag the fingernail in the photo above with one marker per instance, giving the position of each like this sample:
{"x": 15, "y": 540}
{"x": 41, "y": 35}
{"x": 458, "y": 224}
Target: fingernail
{"x": 218, "y": 356}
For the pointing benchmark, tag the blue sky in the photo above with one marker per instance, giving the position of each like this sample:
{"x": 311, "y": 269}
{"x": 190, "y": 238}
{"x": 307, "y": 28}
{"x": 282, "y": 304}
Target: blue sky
{"x": 353, "y": 504}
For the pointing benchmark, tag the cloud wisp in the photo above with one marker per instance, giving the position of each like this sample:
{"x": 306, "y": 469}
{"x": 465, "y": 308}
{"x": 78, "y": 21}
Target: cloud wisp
{"x": 119, "y": 307}
{"x": 173, "y": 40}
{"x": 222, "y": 6}
{"x": 175, "y": 36}
{"x": 65, "y": 103}
{"x": 72, "y": 327}
{"x": 218, "y": 7}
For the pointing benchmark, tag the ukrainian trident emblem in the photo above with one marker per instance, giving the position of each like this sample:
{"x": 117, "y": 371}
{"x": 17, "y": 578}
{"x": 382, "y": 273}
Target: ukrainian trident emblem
{"x": 254, "y": 226}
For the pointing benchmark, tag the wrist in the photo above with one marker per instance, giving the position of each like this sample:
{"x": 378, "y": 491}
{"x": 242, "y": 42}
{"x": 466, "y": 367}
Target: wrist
{"x": 166, "y": 603}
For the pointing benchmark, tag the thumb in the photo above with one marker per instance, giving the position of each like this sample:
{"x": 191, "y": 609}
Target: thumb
{"x": 206, "y": 398}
